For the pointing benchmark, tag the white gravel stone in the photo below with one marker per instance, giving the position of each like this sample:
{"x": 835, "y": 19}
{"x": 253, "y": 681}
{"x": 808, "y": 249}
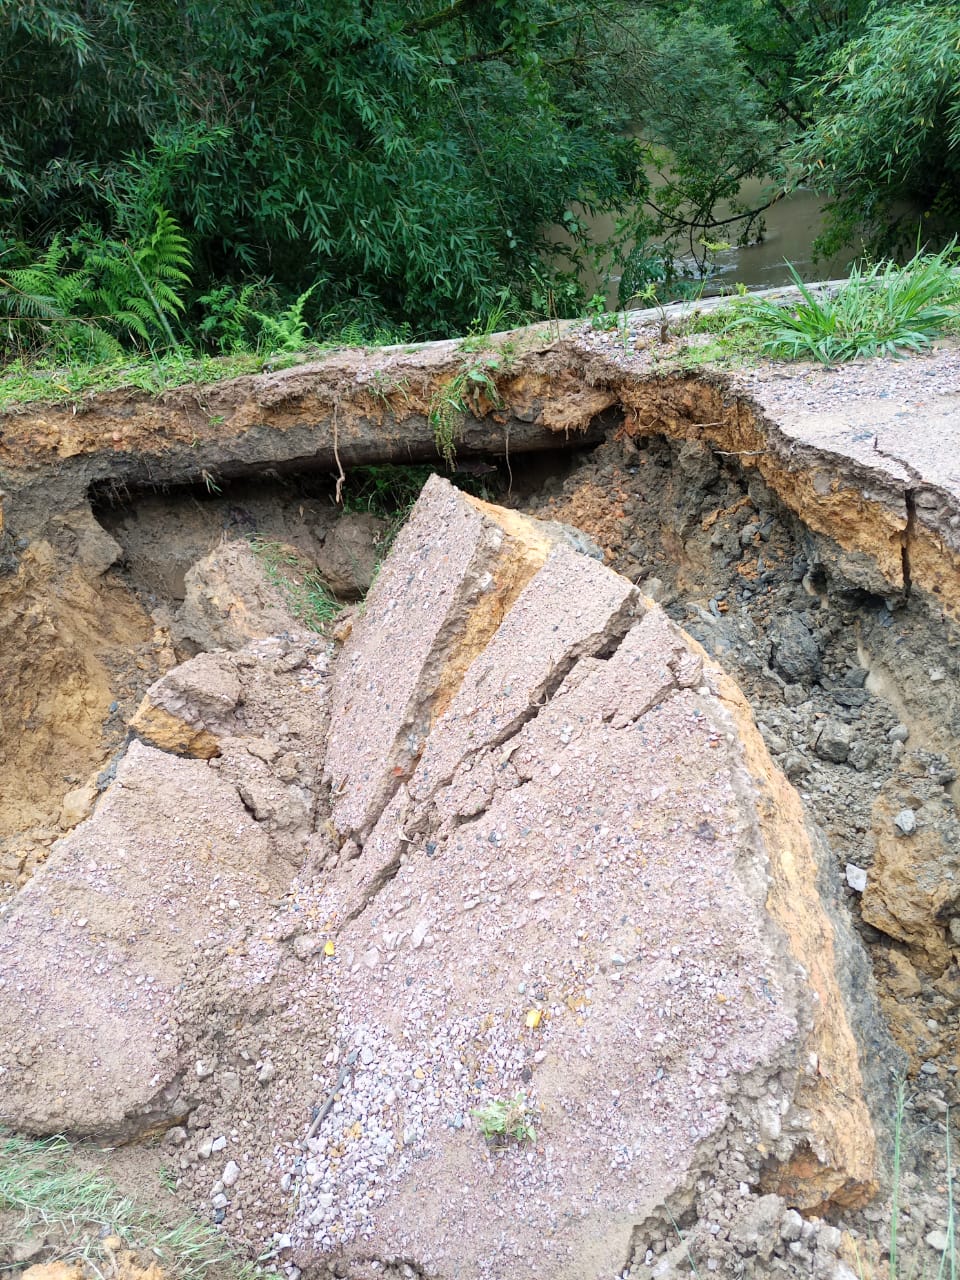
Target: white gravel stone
{"x": 906, "y": 822}
{"x": 856, "y": 877}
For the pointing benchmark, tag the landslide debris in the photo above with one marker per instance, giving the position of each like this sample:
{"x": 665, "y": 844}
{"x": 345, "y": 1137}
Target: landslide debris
{"x": 567, "y": 867}
{"x": 800, "y": 527}
{"x": 856, "y": 695}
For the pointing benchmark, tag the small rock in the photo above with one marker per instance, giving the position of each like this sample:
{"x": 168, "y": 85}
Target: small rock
{"x": 795, "y": 765}
{"x": 775, "y": 744}
{"x": 796, "y": 652}
{"x": 829, "y": 1237}
{"x": 937, "y": 675}
{"x": 205, "y": 1149}
{"x": 305, "y": 946}
{"x": 266, "y": 1073}
{"x": 906, "y": 822}
{"x": 791, "y": 1224}
{"x": 937, "y": 1240}
{"x": 420, "y": 930}
{"x": 24, "y": 1250}
{"x": 219, "y": 1201}
{"x": 204, "y": 1070}
{"x": 229, "y": 1083}
{"x": 903, "y": 978}
{"x": 371, "y": 958}
{"x": 794, "y": 694}
{"x": 856, "y": 877}
{"x": 842, "y": 1272}
{"x": 218, "y": 1144}
{"x": 176, "y": 1136}
{"x": 862, "y": 755}
{"x": 230, "y": 1174}
{"x": 834, "y": 741}
{"x": 899, "y": 733}
{"x": 954, "y": 928}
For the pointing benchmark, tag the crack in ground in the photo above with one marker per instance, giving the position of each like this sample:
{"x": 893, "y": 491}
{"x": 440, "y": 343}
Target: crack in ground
{"x": 425, "y": 821}
{"x": 910, "y": 509}
{"x": 909, "y": 533}
{"x": 602, "y": 649}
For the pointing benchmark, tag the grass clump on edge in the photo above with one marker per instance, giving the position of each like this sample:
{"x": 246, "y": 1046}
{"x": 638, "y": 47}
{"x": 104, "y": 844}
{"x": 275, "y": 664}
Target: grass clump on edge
{"x": 898, "y": 1270}
{"x": 44, "y": 1194}
{"x": 305, "y": 593}
{"x": 882, "y": 309}
{"x": 22, "y": 382}
{"x": 459, "y": 396}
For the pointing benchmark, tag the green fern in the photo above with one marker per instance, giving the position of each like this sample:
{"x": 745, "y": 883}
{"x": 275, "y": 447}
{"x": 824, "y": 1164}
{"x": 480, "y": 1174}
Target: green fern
{"x": 286, "y": 331}
{"x": 82, "y": 300}
{"x": 459, "y": 396}
{"x": 134, "y": 289}
{"x": 38, "y": 306}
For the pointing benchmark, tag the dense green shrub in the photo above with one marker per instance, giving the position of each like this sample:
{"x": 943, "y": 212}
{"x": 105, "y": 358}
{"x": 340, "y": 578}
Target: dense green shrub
{"x": 400, "y": 160}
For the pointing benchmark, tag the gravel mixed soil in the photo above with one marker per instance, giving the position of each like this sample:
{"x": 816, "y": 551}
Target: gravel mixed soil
{"x": 330, "y": 1085}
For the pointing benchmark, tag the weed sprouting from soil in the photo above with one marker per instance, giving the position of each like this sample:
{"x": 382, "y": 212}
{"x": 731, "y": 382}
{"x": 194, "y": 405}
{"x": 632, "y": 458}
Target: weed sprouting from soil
{"x": 504, "y": 1118}
{"x": 304, "y": 591}
{"x": 85, "y": 1218}
{"x": 457, "y": 397}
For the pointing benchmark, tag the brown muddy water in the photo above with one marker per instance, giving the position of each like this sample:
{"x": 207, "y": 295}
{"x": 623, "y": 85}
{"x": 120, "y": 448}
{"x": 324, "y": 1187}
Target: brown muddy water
{"x": 789, "y": 229}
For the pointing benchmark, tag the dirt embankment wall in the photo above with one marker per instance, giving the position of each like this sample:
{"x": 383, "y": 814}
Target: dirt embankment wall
{"x": 861, "y": 458}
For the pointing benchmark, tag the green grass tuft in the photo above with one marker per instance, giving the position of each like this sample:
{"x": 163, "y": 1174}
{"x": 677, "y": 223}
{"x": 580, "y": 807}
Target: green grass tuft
{"x": 882, "y": 309}
{"x": 29, "y": 383}
{"x": 46, "y": 1195}
{"x": 306, "y": 594}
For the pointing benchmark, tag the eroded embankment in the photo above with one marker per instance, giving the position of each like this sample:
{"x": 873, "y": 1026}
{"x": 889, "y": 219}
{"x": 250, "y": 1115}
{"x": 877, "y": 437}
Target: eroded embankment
{"x": 815, "y": 553}
{"x": 799, "y": 527}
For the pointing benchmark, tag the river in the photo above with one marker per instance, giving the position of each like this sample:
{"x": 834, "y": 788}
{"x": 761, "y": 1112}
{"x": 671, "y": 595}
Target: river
{"x": 790, "y": 228}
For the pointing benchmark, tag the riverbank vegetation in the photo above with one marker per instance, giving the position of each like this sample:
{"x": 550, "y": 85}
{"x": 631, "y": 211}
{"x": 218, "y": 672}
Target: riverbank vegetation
{"x": 185, "y": 180}
{"x": 882, "y": 310}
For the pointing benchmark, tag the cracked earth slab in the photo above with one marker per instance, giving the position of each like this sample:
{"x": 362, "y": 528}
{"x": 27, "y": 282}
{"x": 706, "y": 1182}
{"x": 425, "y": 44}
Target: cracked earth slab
{"x": 180, "y": 858}
{"x": 844, "y": 449}
{"x": 600, "y": 893}
{"x": 604, "y": 900}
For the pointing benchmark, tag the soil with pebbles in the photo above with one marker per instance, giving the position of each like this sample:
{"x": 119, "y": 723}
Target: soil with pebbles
{"x": 856, "y": 697}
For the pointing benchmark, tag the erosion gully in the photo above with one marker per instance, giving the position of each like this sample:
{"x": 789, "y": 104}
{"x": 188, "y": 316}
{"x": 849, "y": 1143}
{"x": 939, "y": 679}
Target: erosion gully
{"x": 806, "y": 592}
